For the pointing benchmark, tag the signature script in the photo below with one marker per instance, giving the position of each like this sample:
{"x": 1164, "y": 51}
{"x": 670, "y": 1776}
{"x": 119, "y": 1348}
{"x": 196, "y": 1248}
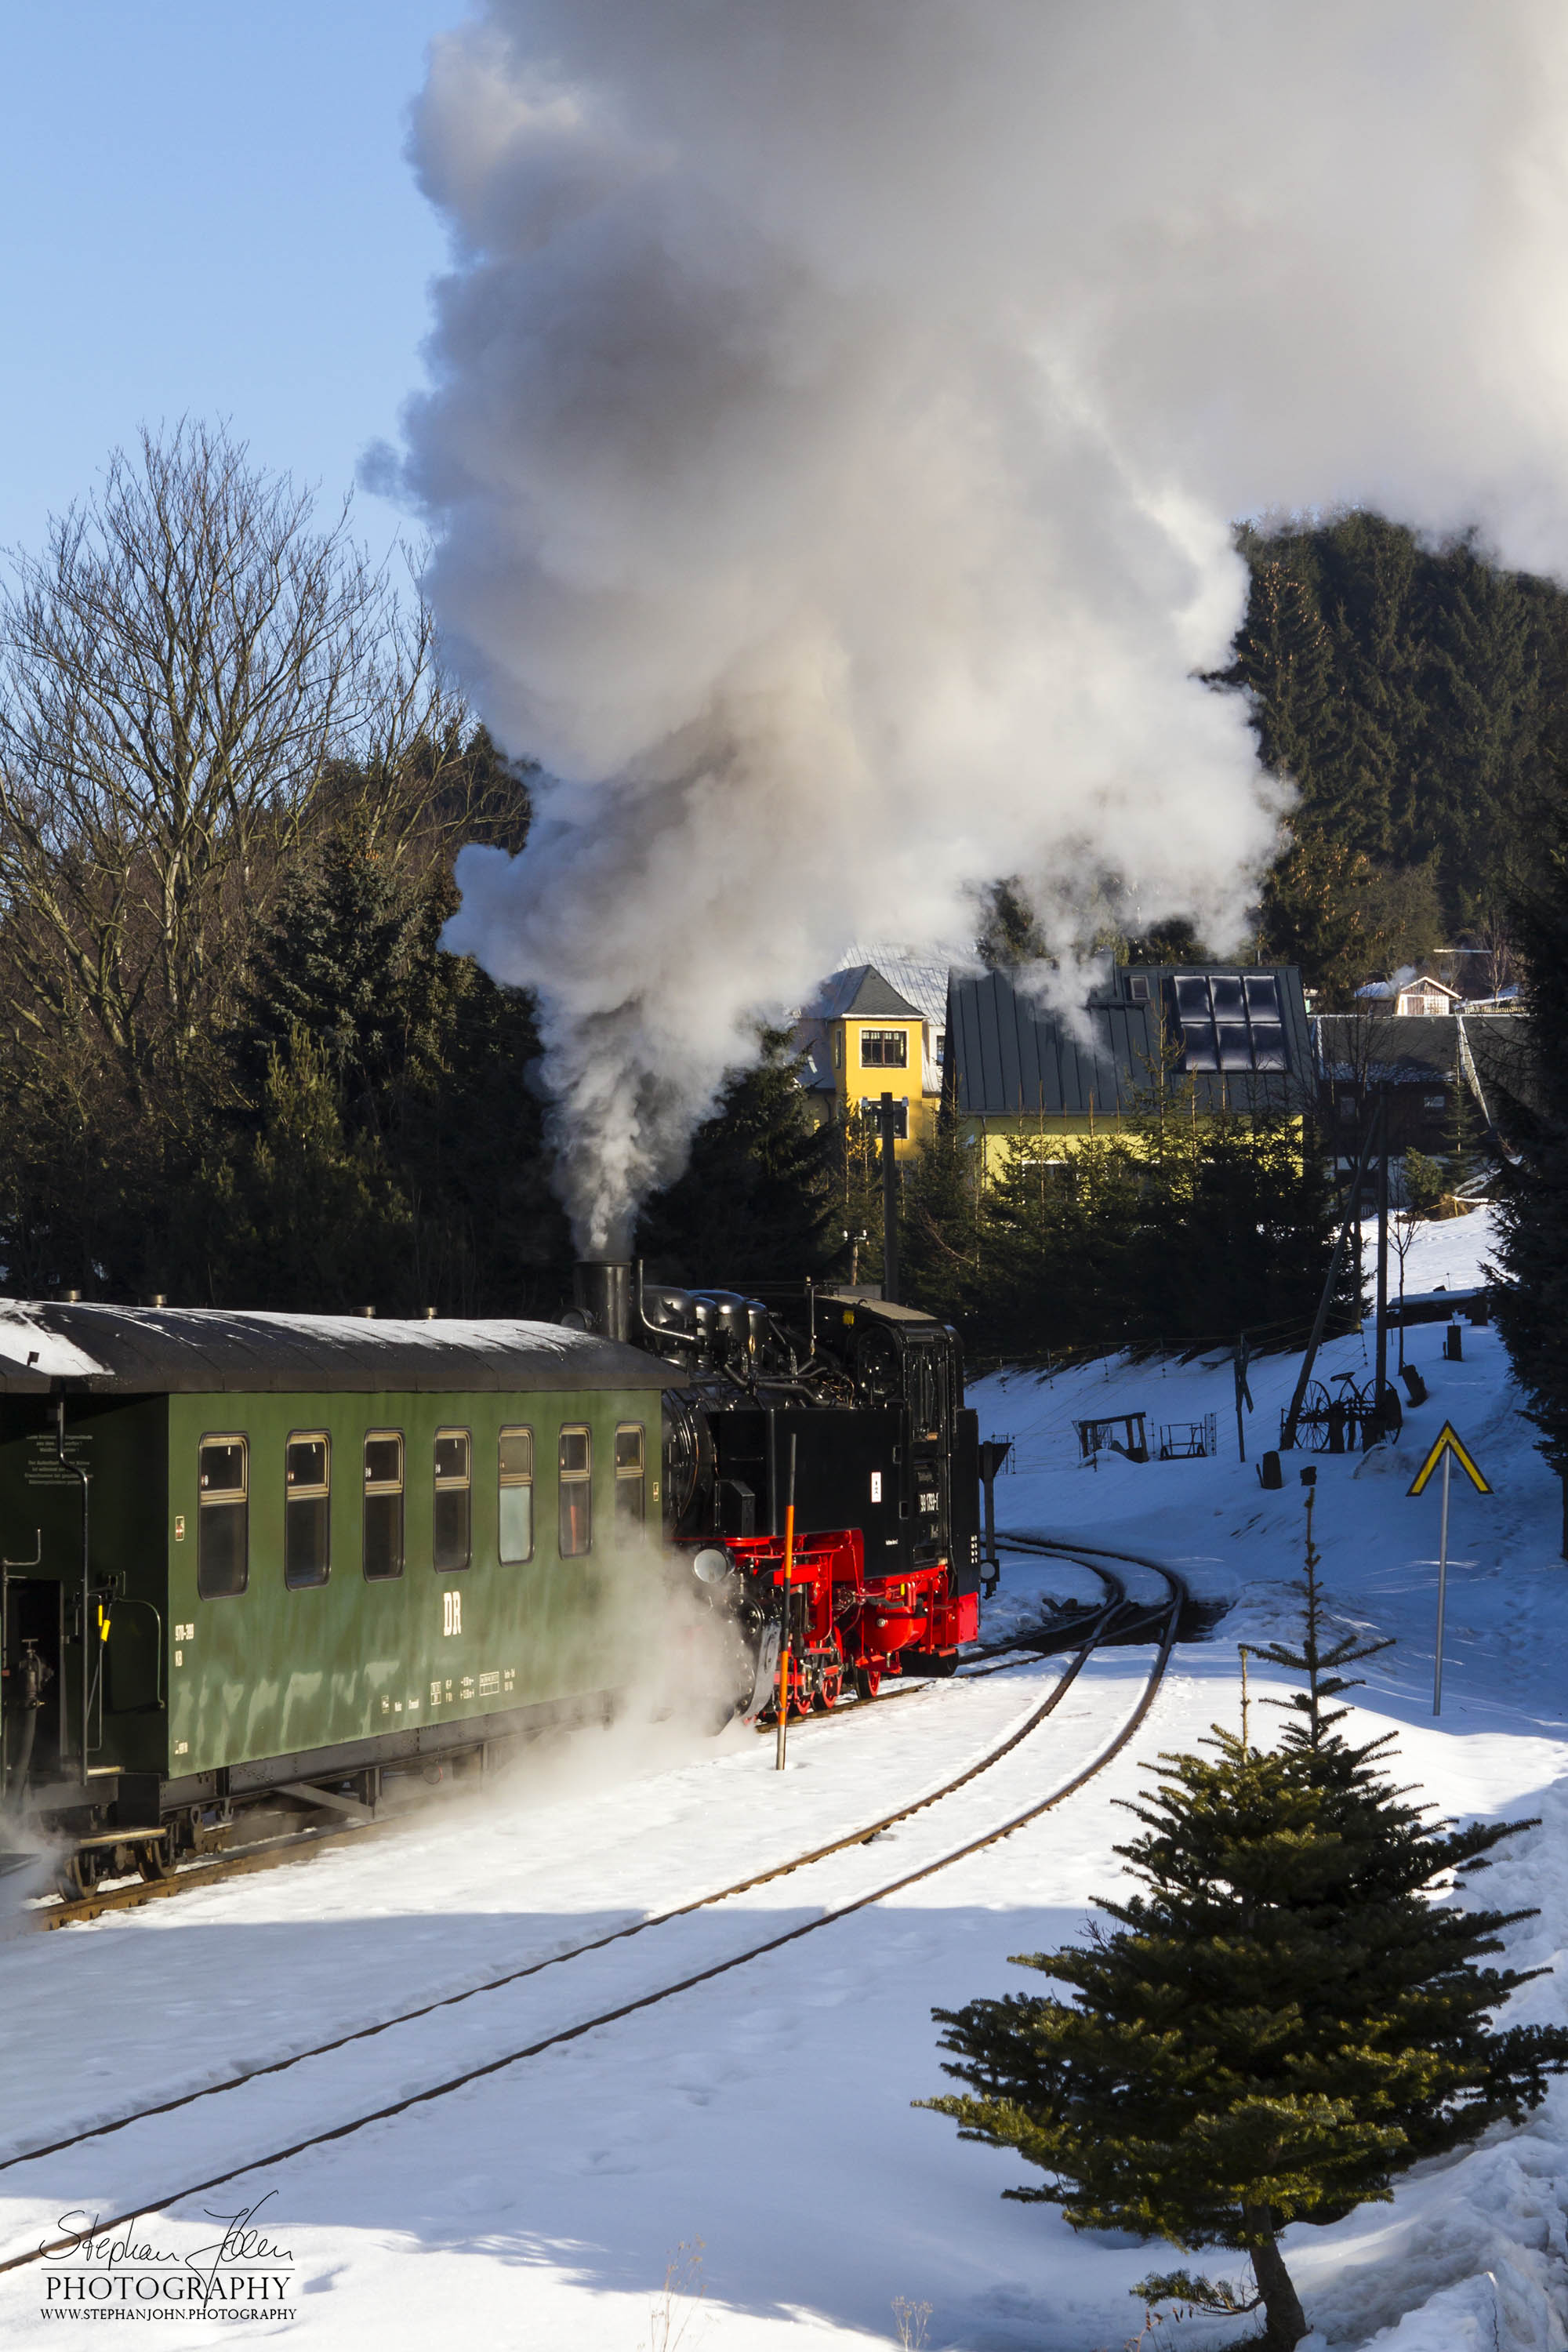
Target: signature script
{"x": 241, "y": 2242}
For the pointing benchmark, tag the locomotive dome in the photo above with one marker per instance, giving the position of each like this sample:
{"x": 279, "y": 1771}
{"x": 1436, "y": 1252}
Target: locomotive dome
{"x": 168, "y": 1350}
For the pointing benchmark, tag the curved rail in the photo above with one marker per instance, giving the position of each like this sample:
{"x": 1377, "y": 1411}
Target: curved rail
{"x": 1171, "y": 1616}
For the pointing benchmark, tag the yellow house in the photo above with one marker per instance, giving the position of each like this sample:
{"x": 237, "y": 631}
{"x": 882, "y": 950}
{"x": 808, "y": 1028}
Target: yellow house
{"x": 863, "y": 1036}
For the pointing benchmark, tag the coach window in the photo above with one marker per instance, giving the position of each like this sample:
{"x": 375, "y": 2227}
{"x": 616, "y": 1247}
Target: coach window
{"x": 223, "y": 1517}
{"x": 576, "y": 1492}
{"x": 631, "y": 1491}
{"x": 516, "y": 1496}
{"x": 453, "y": 1492}
{"x": 307, "y": 1507}
{"x": 384, "y": 1503}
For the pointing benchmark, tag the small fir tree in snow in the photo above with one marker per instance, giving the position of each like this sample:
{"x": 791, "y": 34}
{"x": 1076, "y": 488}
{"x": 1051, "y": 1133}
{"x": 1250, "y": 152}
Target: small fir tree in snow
{"x": 1278, "y": 2023}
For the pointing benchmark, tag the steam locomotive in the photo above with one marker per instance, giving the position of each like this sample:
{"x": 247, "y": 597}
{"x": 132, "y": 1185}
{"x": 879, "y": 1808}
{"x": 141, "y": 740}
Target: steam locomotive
{"x": 851, "y": 1410}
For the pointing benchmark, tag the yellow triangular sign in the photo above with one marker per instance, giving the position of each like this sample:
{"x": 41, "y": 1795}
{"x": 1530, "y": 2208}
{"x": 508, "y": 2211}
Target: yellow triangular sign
{"x": 1447, "y": 1441}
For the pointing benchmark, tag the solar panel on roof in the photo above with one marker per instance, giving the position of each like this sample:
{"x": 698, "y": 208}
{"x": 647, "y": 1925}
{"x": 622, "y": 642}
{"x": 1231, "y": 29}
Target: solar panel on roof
{"x": 1225, "y": 989}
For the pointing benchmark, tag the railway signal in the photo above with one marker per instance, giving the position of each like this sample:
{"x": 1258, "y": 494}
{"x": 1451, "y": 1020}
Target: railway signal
{"x": 1447, "y": 1447}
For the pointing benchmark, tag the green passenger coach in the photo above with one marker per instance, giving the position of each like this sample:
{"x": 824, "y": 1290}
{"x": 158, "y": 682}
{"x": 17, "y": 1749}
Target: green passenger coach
{"x": 252, "y": 1556}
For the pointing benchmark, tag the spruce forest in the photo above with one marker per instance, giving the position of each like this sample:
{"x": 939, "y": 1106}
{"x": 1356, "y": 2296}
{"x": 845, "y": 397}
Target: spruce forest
{"x": 238, "y": 1066}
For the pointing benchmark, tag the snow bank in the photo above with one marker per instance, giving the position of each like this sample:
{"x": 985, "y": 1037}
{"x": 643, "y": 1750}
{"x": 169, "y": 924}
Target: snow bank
{"x": 768, "y": 2113}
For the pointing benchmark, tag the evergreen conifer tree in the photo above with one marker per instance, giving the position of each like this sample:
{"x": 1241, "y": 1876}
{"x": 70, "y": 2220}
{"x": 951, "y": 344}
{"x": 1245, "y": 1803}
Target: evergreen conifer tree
{"x": 755, "y": 1205}
{"x": 1278, "y": 2025}
{"x": 1531, "y": 1300}
{"x": 942, "y": 1221}
{"x": 352, "y": 1005}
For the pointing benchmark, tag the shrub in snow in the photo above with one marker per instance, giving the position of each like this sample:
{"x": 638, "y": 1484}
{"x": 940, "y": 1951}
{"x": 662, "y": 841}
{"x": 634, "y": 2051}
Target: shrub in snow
{"x": 1278, "y": 2023}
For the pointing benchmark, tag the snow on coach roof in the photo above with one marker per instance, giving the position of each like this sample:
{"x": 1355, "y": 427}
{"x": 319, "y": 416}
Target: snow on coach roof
{"x": 155, "y": 1351}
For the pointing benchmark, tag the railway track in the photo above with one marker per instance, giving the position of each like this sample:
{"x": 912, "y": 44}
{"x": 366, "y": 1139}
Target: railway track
{"x": 1112, "y": 1618}
{"x": 273, "y": 1852}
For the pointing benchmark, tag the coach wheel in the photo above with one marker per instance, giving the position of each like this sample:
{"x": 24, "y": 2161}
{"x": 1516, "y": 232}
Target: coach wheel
{"x": 74, "y": 1876}
{"x": 155, "y": 1859}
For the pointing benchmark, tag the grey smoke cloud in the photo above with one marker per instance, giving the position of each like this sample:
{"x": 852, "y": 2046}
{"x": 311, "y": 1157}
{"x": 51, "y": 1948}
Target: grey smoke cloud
{"x": 837, "y": 413}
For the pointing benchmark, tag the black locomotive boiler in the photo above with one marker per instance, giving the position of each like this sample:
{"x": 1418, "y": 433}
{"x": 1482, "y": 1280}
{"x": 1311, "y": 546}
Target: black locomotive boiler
{"x": 849, "y": 1406}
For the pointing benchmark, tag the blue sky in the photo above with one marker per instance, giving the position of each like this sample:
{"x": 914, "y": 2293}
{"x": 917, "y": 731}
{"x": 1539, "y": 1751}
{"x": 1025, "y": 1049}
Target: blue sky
{"x": 206, "y": 207}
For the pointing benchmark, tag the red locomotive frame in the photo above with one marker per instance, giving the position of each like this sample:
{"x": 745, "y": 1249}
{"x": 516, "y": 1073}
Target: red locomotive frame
{"x": 845, "y": 1625}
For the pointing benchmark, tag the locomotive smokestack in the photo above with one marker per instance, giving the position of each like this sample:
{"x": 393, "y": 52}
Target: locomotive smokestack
{"x": 604, "y": 1293}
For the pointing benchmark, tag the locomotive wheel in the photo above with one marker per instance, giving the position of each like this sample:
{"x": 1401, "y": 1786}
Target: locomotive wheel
{"x": 868, "y": 1681}
{"x": 828, "y": 1688}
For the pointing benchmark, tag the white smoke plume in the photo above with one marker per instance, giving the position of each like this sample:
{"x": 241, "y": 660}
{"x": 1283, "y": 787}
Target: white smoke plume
{"x": 838, "y": 412}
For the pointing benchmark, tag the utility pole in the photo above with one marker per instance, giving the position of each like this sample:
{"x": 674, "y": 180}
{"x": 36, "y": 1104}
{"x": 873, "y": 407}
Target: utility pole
{"x": 786, "y": 1677}
{"x": 889, "y": 1206}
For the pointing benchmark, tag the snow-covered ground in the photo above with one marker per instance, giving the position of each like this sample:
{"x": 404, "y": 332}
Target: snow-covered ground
{"x": 753, "y": 2138}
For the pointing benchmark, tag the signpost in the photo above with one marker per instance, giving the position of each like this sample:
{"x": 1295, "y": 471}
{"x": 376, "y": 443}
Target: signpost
{"x": 1243, "y": 1393}
{"x": 1447, "y": 1448}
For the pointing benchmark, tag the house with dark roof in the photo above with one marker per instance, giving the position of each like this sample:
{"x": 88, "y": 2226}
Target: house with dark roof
{"x": 865, "y": 1034}
{"x": 1426, "y": 1062}
{"x": 1233, "y": 1039}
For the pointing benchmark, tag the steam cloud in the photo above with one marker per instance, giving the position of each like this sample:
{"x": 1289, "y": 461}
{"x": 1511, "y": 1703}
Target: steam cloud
{"x": 838, "y": 409}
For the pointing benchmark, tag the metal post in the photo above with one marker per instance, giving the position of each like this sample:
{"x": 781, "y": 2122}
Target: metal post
{"x": 87, "y": 1656}
{"x": 1442, "y": 1589}
{"x": 788, "y": 1587}
{"x": 1243, "y": 1393}
{"x": 1381, "y": 1380}
{"x": 889, "y": 1206}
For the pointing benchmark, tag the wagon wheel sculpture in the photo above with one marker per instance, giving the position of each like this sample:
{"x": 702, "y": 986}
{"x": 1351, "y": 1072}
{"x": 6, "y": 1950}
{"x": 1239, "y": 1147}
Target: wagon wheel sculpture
{"x": 1312, "y": 1420}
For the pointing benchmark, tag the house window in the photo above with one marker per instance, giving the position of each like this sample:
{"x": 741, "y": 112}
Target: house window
{"x": 576, "y": 1475}
{"x": 1434, "y": 1103}
{"x": 871, "y": 1110}
{"x": 223, "y": 1517}
{"x": 1348, "y": 1107}
{"x": 884, "y": 1049}
{"x": 838, "y": 1049}
{"x": 383, "y": 1523}
{"x": 307, "y": 1507}
{"x": 940, "y": 1048}
{"x": 1138, "y": 990}
{"x": 516, "y": 1496}
{"x": 631, "y": 1490}
{"x": 452, "y": 1521}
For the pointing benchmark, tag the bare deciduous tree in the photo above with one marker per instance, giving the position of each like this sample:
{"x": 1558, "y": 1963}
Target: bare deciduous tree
{"x": 178, "y": 670}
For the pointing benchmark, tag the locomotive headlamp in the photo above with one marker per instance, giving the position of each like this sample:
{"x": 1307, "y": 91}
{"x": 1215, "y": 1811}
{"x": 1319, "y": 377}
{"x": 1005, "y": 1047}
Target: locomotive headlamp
{"x": 711, "y": 1565}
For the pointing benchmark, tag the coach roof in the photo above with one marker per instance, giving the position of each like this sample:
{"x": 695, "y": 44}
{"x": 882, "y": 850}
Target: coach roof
{"x": 160, "y": 1350}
